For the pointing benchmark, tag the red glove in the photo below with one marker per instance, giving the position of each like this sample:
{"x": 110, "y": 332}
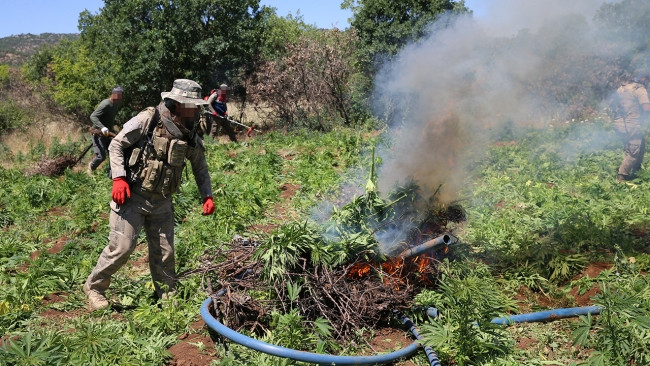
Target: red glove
{"x": 120, "y": 187}
{"x": 214, "y": 114}
{"x": 208, "y": 206}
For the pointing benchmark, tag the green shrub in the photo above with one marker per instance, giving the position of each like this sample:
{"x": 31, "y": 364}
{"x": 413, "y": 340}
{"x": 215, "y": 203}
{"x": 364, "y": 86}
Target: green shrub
{"x": 620, "y": 333}
{"x": 5, "y": 77}
{"x": 33, "y": 349}
{"x": 36, "y": 67}
{"x": 11, "y": 115}
{"x": 67, "y": 148}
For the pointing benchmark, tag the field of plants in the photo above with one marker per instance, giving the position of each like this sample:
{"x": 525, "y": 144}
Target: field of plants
{"x": 304, "y": 249}
{"x": 542, "y": 223}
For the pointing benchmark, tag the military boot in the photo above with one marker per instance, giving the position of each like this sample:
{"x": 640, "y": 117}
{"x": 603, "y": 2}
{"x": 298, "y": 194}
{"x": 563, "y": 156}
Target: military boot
{"x": 96, "y": 301}
{"x": 169, "y": 298}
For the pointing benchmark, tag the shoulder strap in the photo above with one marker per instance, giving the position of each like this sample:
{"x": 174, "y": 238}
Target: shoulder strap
{"x": 153, "y": 123}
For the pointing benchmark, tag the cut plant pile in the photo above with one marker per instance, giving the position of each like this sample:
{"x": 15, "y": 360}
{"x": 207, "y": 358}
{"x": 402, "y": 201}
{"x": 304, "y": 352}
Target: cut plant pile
{"x": 53, "y": 166}
{"x": 358, "y": 290}
{"x": 348, "y": 302}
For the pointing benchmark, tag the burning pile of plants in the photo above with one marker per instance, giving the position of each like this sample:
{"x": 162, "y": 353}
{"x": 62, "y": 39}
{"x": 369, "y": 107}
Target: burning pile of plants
{"x": 338, "y": 276}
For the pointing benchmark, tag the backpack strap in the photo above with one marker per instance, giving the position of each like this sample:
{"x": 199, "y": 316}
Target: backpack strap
{"x": 153, "y": 123}
{"x": 140, "y": 146}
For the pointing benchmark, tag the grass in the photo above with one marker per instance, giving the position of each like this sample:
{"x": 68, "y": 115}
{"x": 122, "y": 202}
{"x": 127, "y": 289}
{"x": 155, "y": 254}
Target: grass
{"x": 36, "y": 210}
{"x": 539, "y": 211}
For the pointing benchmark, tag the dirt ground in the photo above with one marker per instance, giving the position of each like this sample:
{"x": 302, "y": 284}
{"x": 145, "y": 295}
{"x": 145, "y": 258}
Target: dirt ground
{"x": 389, "y": 340}
{"x": 525, "y": 297}
{"x": 194, "y": 348}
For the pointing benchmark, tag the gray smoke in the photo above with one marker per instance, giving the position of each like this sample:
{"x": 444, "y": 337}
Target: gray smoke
{"x": 481, "y": 81}
{"x": 526, "y": 64}
{"x": 505, "y": 18}
{"x": 448, "y": 95}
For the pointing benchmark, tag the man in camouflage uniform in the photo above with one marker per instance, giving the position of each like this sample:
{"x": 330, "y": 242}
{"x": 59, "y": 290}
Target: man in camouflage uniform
{"x": 630, "y": 105}
{"x": 103, "y": 119}
{"x": 147, "y": 160}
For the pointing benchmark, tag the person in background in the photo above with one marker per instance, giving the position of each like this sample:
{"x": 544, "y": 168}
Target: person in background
{"x": 103, "y": 119}
{"x": 630, "y": 105}
{"x": 219, "y": 109}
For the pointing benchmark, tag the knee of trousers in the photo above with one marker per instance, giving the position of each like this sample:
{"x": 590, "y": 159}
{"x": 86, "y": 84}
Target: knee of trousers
{"x": 120, "y": 246}
{"x": 634, "y": 149}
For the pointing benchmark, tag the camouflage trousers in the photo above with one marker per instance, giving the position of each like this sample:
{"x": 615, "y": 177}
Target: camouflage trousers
{"x": 633, "y": 146}
{"x": 156, "y": 214}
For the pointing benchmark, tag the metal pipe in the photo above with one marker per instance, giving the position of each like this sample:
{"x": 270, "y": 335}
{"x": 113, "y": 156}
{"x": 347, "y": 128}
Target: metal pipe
{"x": 426, "y": 246}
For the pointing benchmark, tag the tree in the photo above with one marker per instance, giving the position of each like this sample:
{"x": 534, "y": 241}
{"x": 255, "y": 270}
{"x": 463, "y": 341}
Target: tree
{"x": 385, "y": 26}
{"x": 311, "y": 83}
{"x": 280, "y": 31}
{"x": 627, "y": 24}
{"x": 158, "y": 41}
{"x": 144, "y": 45}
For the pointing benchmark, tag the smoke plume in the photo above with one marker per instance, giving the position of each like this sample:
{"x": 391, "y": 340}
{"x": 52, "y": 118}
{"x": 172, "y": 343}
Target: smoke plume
{"x": 525, "y": 64}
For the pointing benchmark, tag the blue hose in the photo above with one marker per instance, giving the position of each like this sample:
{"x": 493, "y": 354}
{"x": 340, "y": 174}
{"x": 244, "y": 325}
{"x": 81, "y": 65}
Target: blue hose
{"x": 547, "y": 315}
{"x": 324, "y": 359}
{"x": 428, "y": 350}
{"x": 317, "y": 358}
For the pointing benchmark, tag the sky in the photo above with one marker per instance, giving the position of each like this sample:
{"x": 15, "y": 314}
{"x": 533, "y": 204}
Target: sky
{"x": 41, "y": 16}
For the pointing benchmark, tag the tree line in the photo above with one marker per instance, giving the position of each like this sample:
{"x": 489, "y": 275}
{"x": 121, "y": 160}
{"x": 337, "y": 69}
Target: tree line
{"x": 282, "y": 65}
{"x": 291, "y": 72}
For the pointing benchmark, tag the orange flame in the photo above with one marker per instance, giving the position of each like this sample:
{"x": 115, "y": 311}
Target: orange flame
{"x": 397, "y": 271}
{"x": 359, "y": 270}
{"x": 423, "y": 264}
{"x": 392, "y": 266}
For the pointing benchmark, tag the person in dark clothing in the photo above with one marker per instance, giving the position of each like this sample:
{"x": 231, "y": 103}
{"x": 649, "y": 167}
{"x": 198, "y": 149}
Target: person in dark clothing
{"x": 103, "y": 119}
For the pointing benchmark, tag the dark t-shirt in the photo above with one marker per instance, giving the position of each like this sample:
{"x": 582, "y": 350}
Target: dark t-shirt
{"x": 104, "y": 115}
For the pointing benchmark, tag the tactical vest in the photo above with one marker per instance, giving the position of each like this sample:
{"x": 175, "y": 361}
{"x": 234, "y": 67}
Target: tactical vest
{"x": 628, "y": 105}
{"x": 157, "y": 164}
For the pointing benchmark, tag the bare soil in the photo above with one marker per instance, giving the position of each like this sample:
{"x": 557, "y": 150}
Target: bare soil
{"x": 279, "y": 212}
{"x": 194, "y": 348}
{"x": 54, "y": 316}
{"x": 58, "y": 315}
{"x": 592, "y": 271}
{"x": 526, "y": 343}
{"x": 264, "y": 228}
{"x": 55, "y": 298}
{"x": 388, "y": 340}
{"x": 57, "y": 247}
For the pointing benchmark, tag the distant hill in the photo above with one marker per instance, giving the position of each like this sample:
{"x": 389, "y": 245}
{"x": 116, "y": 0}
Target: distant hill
{"x": 15, "y": 50}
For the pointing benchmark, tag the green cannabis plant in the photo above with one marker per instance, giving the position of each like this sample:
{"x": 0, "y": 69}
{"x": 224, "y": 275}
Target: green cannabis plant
{"x": 468, "y": 299}
{"x": 621, "y": 333}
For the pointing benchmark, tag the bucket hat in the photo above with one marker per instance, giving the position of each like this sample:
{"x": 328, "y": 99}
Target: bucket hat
{"x": 185, "y": 91}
